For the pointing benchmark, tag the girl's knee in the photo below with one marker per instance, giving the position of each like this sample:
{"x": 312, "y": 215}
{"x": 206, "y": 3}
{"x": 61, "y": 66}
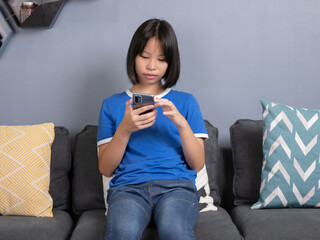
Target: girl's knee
{"x": 175, "y": 219}
{"x": 126, "y": 220}
{"x": 175, "y": 230}
{"x": 127, "y": 231}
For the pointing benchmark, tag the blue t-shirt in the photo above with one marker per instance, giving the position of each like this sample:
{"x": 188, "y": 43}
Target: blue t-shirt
{"x": 156, "y": 152}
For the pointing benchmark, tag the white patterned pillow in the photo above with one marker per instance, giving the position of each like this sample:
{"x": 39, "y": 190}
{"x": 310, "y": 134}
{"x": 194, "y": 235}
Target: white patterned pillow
{"x": 106, "y": 181}
{"x": 291, "y": 150}
{"x": 25, "y": 155}
{"x": 202, "y": 184}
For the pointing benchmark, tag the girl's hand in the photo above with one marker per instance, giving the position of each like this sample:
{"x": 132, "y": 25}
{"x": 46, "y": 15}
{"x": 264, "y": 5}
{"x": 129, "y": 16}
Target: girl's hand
{"x": 133, "y": 121}
{"x": 170, "y": 111}
{"x": 193, "y": 148}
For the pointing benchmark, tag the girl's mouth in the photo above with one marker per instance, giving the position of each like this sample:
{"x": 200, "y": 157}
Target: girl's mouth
{"x": 150, "y": 76}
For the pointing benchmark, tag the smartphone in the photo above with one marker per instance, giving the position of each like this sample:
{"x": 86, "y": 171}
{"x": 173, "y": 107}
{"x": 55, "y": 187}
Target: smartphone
{"x": 140, "y": 99}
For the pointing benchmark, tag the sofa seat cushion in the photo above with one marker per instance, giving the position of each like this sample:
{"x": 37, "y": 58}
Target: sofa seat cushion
{"x": 213, "y": 225}
{"x": 265, "y": 224}
{"x": 216, "y": 225}
{"x": 59, "y": 227}
{"x": 91, "y": 225}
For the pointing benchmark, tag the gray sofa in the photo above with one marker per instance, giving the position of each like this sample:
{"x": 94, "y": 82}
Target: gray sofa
{"x": 234, "y": 177}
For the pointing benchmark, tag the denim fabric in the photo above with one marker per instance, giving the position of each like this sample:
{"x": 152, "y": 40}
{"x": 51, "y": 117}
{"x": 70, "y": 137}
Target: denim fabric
{"x": 172, "y": 203}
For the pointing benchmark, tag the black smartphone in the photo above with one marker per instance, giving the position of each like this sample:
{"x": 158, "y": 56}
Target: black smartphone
{"x": 140, "y": 99}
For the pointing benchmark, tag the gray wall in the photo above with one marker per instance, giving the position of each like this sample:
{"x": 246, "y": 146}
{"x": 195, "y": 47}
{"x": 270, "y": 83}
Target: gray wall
{"x": 234, "y": 52}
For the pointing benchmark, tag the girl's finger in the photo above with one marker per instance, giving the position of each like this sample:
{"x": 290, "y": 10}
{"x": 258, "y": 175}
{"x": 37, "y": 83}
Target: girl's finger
{"x": 144, "y": 109}
{"x": 149, "y": 114}
{"x": 147, "y": 121}
{"x": 128, "y": 104}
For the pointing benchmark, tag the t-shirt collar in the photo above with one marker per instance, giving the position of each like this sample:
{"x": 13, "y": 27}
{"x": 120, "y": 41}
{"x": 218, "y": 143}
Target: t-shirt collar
{"x": 129, "y": 93}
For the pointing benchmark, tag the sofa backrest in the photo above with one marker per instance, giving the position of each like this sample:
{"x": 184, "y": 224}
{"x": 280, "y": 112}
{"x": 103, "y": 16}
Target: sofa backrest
{"x": 211, "y": 158}
{"x": 211, "y": 148}
{"x": 60, "y": 166}
{"x": 246, "y": 141}
{"x": 87, "y": 187}
{"x": 224, "y": 178}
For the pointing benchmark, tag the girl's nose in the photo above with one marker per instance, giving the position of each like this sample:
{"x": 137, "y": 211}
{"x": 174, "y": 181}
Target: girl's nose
{"x": 151, "y": 64}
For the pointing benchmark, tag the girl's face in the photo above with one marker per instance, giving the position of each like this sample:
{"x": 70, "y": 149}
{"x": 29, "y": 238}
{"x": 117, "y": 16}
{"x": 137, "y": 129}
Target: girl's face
{"x": 151, "y": 65}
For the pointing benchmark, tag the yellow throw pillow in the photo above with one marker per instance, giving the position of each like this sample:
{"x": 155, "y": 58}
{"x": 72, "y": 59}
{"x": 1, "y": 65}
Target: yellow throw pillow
{"x": 25, "y": 155}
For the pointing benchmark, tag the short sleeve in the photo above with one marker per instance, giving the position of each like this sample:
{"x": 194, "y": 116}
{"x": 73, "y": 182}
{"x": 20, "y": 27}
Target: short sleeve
{"x": 195, "y": 119}
{"x": 106, "y": 127}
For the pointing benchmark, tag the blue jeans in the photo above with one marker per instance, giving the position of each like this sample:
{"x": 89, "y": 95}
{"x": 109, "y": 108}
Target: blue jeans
{"x": 172, "y": 203}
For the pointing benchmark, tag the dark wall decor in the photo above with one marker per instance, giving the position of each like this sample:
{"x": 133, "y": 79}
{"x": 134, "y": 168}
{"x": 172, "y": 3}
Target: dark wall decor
{"x": 6, "y": 33}
{"x": 34, "y": 13}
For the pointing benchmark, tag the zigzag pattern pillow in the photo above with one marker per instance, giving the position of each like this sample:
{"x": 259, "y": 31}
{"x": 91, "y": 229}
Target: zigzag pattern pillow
{"x": 291, "y": 149}
{"x": 25, "y": 157}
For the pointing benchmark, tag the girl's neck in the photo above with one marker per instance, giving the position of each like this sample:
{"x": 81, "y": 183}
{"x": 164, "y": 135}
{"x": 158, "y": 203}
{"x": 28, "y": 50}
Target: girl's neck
{"x": 154, "y": 90}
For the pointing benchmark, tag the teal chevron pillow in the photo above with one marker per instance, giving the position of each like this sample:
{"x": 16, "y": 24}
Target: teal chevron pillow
{"x": 291, "y": 163}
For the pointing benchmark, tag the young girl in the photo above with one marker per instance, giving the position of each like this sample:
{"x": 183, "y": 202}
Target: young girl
{"x": 154, "y": 156}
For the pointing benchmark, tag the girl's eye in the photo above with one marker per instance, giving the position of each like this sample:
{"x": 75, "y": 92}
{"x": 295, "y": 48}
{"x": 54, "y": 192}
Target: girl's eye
{"x": 144, "y": 57}
{"x": 162, "y": 60}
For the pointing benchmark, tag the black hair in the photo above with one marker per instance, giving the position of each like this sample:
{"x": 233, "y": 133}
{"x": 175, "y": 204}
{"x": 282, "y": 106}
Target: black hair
{"x": 163, "y": 31}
